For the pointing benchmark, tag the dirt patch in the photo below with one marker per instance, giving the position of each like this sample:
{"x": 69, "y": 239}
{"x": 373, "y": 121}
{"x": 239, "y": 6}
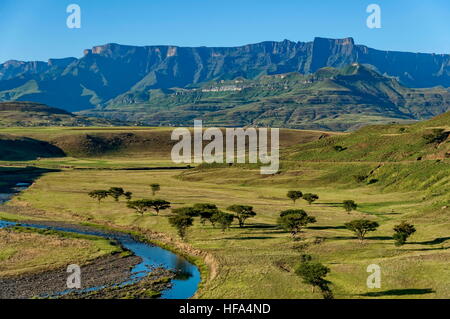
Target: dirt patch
{"x": 106, "y": 270}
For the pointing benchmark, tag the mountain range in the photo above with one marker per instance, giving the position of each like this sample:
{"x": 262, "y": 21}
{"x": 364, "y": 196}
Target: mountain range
{"x": 119, "y": 78}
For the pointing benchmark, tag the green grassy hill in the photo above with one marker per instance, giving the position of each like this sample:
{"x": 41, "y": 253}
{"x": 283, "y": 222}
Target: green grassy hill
{"x": 415, "y": 142}
{"x": 29, "y": 114}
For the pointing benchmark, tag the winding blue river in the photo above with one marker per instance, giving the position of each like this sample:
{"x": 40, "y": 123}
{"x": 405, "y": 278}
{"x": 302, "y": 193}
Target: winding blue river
{"x": 183, "y": 286}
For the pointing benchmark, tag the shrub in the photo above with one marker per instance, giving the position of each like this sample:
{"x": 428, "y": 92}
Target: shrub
{"x": 402, "y": 232}
{"x": 294, "y": 195}
{"x": 310, "y": 198}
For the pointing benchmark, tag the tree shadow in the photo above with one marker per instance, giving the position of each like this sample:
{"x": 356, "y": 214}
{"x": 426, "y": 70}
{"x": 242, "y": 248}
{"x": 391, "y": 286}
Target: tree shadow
{"x": 367, "y": 238}
{"x": 326, "y": 227}
{"x": 398, "y": 292}
{"x": 259, "y": 226}
{"x": 427, "y": 249}
{"x": 436, "y": 241}
{"x": 248, "y": 238}
{"x": 329, "y": 204}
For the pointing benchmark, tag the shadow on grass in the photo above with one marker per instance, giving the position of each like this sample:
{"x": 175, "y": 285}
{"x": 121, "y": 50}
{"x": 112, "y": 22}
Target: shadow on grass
{"x": 248, "y": 238}
{"x": 329, "y": 204}
{"x": 367, "y": 238}
{"x": 259, "y": 226}
{"x": 326, "y": 227}
{"x": 427, "y": 249}
{"x": 436, "y": 241}
{"x": 398, "y": 292}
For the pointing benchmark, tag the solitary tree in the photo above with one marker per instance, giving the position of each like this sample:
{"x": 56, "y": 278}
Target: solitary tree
{"x": 361, "y": 227}
{"x": 242, "y": 213}
{"x": 181, "y": 222}
{"x": 158, "y": 205}
{"x": 310, "y": 198}
{"x": 349, "y": 205}
{"x": 294, "y": 220}
{"x": 314, "y": 273}
{"x": 402, "y": 232}
{"x": 294, "y": 195}
{"x": 116, "y": 192}
{"x": 223, "y": 219}
{"x": 140, "y": 206}
{"x": 155, "y": 188}
{"x": 99, "y": 194}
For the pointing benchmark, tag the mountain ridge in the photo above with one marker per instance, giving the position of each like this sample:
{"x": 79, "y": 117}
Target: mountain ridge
{"x": 329, "y": 99}
{"x": 108, "y": 71}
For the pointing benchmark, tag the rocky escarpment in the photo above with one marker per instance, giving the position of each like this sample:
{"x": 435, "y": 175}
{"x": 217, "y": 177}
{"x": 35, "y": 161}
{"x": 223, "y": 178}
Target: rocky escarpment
{"x": 115, "y": 74}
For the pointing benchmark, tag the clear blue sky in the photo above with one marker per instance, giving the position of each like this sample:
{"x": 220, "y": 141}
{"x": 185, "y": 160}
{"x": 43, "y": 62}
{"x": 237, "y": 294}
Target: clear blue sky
{"x": 36, "y": 29}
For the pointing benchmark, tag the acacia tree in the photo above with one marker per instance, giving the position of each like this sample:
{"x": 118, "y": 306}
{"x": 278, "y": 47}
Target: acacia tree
{"x": 99, "y": 195}
{"x": 206, "y": 212}
{"x": 140, "y": 206}
{"x": 402, "y": 232}
{"x": 223, "y": 219}
{"x": 116, "y": 192}
{"x": 294, "y": 195}
{"x": 158, "y": 204}
{"x": 310, "y": 198}
{"x": 349, "y": 205}
{"x": 181, "y": 222}
{"x": 242, "y": 213}
{"x": 294, "y": 220}
{"x": 188, "y": 211}
{"x": 155, "y": 188}
{"x": 361, "y": 227}
{"x": 314, "y": 273}
{"x": 128, "y": 195}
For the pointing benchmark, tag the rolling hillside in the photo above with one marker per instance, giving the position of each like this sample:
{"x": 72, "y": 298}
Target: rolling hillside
{"x": 29, "y": 114}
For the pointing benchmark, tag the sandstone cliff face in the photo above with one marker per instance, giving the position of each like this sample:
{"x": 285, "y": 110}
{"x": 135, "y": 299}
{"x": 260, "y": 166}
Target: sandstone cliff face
{"x": 107, "y": 73}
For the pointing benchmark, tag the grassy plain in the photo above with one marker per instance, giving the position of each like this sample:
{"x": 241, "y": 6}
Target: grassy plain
{"x": 258, "y": 261}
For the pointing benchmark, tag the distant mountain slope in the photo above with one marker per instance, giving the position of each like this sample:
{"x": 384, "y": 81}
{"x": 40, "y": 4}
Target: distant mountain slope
{"x": 119, "y": 74}
{"x": 330, "y": 99}
{"x": 35, "y": 114}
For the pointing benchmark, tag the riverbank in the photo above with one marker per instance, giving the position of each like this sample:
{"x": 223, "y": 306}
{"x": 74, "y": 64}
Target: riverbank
{"x": 152, "y": 273}
{"x": 103, "y": 271}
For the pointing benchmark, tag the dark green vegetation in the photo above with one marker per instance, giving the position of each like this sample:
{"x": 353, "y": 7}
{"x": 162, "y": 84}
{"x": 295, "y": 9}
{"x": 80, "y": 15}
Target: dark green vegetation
{"x": 293, "y": 220}
{"x": 294, "y": 195}
{"x": 30, "y": 114}
{"x": 329, "y": 99}
{"x": 349, "y": 205}
{"x": 402, "y": 232}
{"x": 242, "y": 213}
{"x": 115, "y": 74}
{"x": 314, "y": 273}
{"x": 181, "y": 222}
{"x": 361, "y": 227}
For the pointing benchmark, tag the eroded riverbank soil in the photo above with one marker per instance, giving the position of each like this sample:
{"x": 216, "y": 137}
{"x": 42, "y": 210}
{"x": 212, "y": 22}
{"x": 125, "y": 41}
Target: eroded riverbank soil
{"x": 107, "y": 270}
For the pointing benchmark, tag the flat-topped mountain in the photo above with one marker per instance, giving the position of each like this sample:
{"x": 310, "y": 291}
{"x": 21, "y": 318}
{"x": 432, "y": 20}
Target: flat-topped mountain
{"x": 110, "y": 73}
{"x": 331, "y": 99}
